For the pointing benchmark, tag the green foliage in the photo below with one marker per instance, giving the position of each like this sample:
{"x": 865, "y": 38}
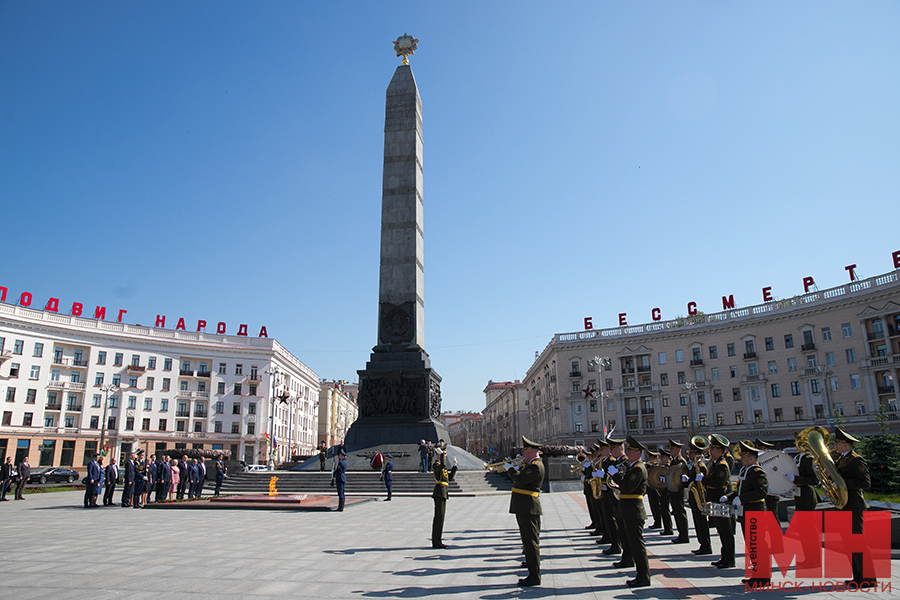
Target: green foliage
{"x": 882, "y": 453}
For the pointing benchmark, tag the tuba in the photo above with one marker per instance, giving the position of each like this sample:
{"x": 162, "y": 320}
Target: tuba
{"x": 696, "y": 488}
{"x": 701, "y": 442}
{"x": 814, "y": 440}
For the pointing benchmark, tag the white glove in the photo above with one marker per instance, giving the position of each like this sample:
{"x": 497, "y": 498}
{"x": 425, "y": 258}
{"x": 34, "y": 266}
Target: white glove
{"x": 586, "y": 463}
{"x": 507, "y": 466}
{"x": 518, "y": 456}
{"x": 723, "y": 499}
{"x": 685, "y": 478}
{"x": 736, "y": 502}
{"x": 662, "y": 479}
{"x": 597, "y": 474}
{"x": 613, "y": 470}
{"x": 699, "y": 477}
{"x": 602, "y": 473}
{"x": 790, "y": 477}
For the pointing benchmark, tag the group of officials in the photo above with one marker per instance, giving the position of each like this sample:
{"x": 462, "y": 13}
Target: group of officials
{"x": 618, "y": 515}
{"x": 167, "y": 479}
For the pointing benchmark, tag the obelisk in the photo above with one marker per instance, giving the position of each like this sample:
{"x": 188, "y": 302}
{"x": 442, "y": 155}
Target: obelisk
{"x": 399, "y": 393}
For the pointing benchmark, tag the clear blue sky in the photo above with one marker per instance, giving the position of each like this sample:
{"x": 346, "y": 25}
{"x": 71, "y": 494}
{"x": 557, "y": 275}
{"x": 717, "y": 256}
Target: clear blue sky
{"x": 222, "y": 161}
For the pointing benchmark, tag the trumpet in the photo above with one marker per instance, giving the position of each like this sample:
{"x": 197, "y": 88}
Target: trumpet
{"x": 497, "y": 467}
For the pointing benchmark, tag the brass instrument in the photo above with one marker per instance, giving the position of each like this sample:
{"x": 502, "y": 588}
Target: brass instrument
{"x": 673, "y": 477}
{"x": 497, "y": 467}
{"x": 814, "y": 440}
{"x": 701, "y": 442}
{"x": 697, "y": 489}
{"x": 596, "y": 486}
{"x": 656, "y": 477}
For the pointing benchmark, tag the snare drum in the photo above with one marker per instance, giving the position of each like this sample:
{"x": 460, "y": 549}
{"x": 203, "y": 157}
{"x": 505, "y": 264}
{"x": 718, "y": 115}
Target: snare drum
{"x": 716, "y": 509}
{"x": 777, "y": 464}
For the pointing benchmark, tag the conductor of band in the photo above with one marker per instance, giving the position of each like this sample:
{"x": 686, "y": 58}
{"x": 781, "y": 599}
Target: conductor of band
{"x": 525, "y": 503}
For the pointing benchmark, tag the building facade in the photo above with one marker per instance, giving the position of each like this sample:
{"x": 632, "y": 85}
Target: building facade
{"x": 466, "y": 431}
{"x": 762, "y": 371}
{"x": 337, "y": 411}
{"x": 72, "y": 386}
{"x": 505, "y": 417}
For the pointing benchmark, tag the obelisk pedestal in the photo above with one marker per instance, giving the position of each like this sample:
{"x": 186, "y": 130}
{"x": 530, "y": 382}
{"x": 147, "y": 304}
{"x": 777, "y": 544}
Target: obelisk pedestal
{"x": 399, "y": 393}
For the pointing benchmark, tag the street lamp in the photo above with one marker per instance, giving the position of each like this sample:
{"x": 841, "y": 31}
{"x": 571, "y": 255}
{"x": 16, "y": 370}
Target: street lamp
{"x": 273, "y": 374}
{"x": 600, "y": 363}
{"x": 106, "y": 388}
{"x": 689, "y": 388}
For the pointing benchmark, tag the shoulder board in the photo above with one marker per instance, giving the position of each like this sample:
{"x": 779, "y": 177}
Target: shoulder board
{"x": 854, "y": 454}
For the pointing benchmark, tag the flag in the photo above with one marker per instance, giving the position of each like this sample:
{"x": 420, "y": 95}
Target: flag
{"x": 274, "y": 442}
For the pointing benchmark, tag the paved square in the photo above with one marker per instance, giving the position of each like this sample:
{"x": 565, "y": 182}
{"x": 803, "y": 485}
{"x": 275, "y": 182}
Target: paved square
{"x": 52, "y": 548}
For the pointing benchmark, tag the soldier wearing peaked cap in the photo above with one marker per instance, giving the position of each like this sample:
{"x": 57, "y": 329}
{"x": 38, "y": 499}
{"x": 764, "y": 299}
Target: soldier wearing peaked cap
{"x": 612, "y": 468}
{"x": 676, "y": 499}
{"x": 718, "y": 484}
{"x": 653, "y": 493}
{"x": 632, "y": 486}
{"x": 665, "y": 507}
{"x": 697, "y": 472}
{"x": 854, "y": 469}
{"x": 771, "y": 499}
{"x": 600, "y": 463}
{"x": 525, "y": 503}
{"x": 750, "y": 497}
{"x": 588, "y": 469}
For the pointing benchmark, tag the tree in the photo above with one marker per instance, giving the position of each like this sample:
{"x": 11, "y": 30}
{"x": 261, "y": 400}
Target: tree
{"x": 882, "y": 453}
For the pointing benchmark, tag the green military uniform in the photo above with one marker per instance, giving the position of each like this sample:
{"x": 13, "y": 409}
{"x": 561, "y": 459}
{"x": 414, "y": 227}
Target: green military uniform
{"x": 697, "y": 472}
{"x": 440, "y": 495}
{"x": 676, "y": 500}
{"x": 652, "y": 493}
{"x": 855, "y": 471}
{"x": 525, "y": 503}
{"x": 610, "y": 499}
{"x": 632, "y": 487}
{"x": 718, "y": 484}
{"x": 805, "y": 481}
{"x": 751, "y": 493}
{"x": 771, "y": 499}
{"x": 665, "y": 509}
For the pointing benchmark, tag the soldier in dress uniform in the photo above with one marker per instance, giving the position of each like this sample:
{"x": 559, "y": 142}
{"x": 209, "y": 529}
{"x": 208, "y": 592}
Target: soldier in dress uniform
{"x": 632, "y": 482}
{"x": 585, "y": 461}
{"x": 676, "y": 499}
{"x": 440, "y": 495}
{"x": 600, "y": 463}
{"x": 221, "y": 472}
{"x": 612, "y": 465}
{"x": 750, "y": 496}
{"x": 525, "y": 503}
{"x": 855, "y": 472}
{"x": 140, "y": 474}
{"x": 771, "y": 499}
{"x": 697, "y": 471}
{"x": 340, "y": 477}
{"x": 653, "y": 493}
{"x": 387, "y": 474}
{"x": 718, "y": 484}
{"x": 665, "y": 513}
{"x": 805, "y": 497}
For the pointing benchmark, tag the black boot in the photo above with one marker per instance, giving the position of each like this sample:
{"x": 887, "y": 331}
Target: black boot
{"x": 340, "y": 504}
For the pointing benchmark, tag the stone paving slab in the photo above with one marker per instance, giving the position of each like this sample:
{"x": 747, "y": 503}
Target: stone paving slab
{"x": 52, "y": 548}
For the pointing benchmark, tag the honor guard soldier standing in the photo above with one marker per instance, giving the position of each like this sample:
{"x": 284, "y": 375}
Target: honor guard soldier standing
{"x": 749, "y": 497}
{"x": 855, "y": 471}
{"x": 525, "y": 503}
{"x": 653, "y": 493}
{"x": 696, "y": 497}
{"x": 440, "y": 495}
{"x": 613, "y": 465}
{"x": 718, "y": 484}
{"x": 676, "y": 499}
{"x": 632, "y": 485}
{"x": 221, "y": 472}
{"x": 387, "y": 473}
{"x": 140, "y": 474}
{"x": 340, "y": 477}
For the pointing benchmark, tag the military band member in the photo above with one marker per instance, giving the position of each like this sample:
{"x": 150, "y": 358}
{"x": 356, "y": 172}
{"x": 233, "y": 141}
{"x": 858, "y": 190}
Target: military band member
{"x": 612, "y": 466}
{"x": 440, "y": 494}
{"x": 665, "y": 512}
{"x": 805, "y": 497}
{"x": 653, "y": 493}
{"x": 718, "y": 484}
{"x": 600, "y": 464}
{"x": 697, "y": 471}
{"x": 632, "y": 485}
{"x": 771, "y": 499}
{"x": 676, "y": 499}
{"x": 750, "y": 497}
{"x": 525, "y": 503}
{"x": 587, "y": 469}
{"x": 855, "y": 472}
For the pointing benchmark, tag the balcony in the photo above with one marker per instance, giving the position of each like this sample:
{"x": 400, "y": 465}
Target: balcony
{"x": 575, "y": 374}
{"x": 876, "y": 335}
{"x": 182, "y": 413}
{"x": 885, "y": 389}
{"x": 627, "y": 370}
{"x": 643, "y": 369}
{"x": 73, "y": 407}
{"x": 135, "y": 369}
{"x": 186, "y": 372}
{"x": 696, "y": 362}
{"x": 808, "y": 347}
{"x": 752, "y": 378}
{"x": 200, "y": 414}
{"x": 255, "y": 378}
{"x": 59, "y": 360}
{"x": 53, "y": 406}
{"x": 187, "y": 394}
{"x": 749, "y": 355}
{"x": 648, "y": 388}
{"x": 204, "y": 374}
{"x": 81, "y": 364}
{"x": 883, "y": 361}
{"x": 66, "y": 385}
{"x": 4, "y": 356}
{"x": 631, "y": 411}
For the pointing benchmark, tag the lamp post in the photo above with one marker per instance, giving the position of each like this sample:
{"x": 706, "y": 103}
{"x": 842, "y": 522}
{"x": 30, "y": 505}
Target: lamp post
{"x": 107, "y": 389}
{"x": 274, "y": 372}
{"x": 689, "y": 388}
{"x": 600, "y": 363}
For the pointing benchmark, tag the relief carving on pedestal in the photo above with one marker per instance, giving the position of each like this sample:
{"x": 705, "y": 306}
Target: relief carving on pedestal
{"x": 397, "y": 322}
{"x": 393, "y": 395}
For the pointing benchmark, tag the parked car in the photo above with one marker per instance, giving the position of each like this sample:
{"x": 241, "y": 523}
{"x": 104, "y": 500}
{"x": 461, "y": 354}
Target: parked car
{"x": 253, "y": 468}
{"x": 47, "y": 474}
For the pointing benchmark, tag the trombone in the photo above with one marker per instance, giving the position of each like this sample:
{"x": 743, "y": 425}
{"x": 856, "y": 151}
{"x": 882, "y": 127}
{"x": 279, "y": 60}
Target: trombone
{"x": 497, "y": 467}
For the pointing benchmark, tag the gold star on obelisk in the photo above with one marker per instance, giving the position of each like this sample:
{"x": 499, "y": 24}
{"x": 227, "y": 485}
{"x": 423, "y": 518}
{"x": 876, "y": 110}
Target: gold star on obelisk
{"x": 404, "y": 46}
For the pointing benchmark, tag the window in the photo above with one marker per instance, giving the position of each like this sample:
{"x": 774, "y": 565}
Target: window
{"x": 826, "y": 334}
{"x": 792, "y": 364}
{"x": 101, "y": 358}
{"x": 846, "y": 330}
{"x": 236, "y": 408}
{"x": 149, "y": 383}
{"x": 683, "y": 400}
{"x": 145, "y": 424}
{"x": 851, "y": 355}
{"x": 684, "y": 421}
{"x": 860, "y": 408}
{"x": 812, "y": 361}
{"x": 239, "y": 369}
{"x": 594, "y": 407}
{"x": 713, "y": 352}
{"x": 221, "y": 388}
{"x": 201, "y": 386}
{"x": 237, "y": 389}
{"x": 162, "y": 424}
{"x": 736, "y": 394}
{"x": 251, "y": 408}
{"x": 579, "y": 428}
{"x": 10, "y": 394}
{"x": 701, "y": 399}
{"x": 180, "y": 425}
{"x": 222, "y": 369}
{"x": 151, "y": 363}
{"x": 681, "y": 378}
{"x": 665, "y": 401}
{"x": 98, "y": 379}
{"x": 95, "y": 422}
{"x": 26, "y": 419}
{"x": 253, "y": 389}
{"x": 731, "y": 350}
{"x": 217, "y": 427}
{"x": 235, "y": 427}
{"x": 795, "y": 388}
{"x": 696, "y": 354}
{"x": 698, "y": 375}
{"x": 776, "y": 391}
{"x": 95, "y": 401}
{"x": 251, "y": 428}
{"x": 739, "y": 417}
{"x": 703, "y": 421}
{"x": 789, "y": 341}
{"x": 757, "y": 416}
{"x": 664, "y": 379}
{"x": 662, "y": 358}
{"x": 770, "y": 344}
{"x": 129, "y": 423}
{"x": 254, "y": 372}
{"x": 814, "y": 386}
{"x": 167, "y": 364}
{"x": 667, "y": 422}
{"x": 715, "y": 373}
{"x": 733, "y": 371}
{"x": 35, "y": 372}
{"x": 18, "y": 345}
{"x": 185, "y": 365}
{"x": 609, "y": 384}
{"x": 38, "y": 349}
{"x": 183, "y": 385}
{"x": 773, "y": 367}
{"x": 854, "y": 382}
{"x": 166, "y": 384}
{"x": 132, "y": 402}
{"x": 720, "y": 419}
{"x": 30, "y": 396}
{"x": 135, "y": 360}
{"x": 838, "y": 409}
{"x": 13, "y": 370}
{"x": 679, "y": 356}
{"x": 219, "y": 407}
{"x": 717, "y": 395}
{"x": 148, "y": 403}
{"x": 117, "y": 361}
{"x": 833, "y": 381}
{"x": 114, "y": 402}
{"x": 132, "y": 382}
{"x": 111, "y": 423}
{"x": 164, "y": 404}
{"x": 752, "y": 369}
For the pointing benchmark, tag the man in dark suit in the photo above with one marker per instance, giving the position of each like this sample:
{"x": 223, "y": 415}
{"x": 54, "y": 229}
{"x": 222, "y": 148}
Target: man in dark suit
{"x": 93, "y": 479}
{"x": 201, "y": 466}
{"x": 140, "y": 475}
{"x": 653, "y": 493}
{"x": 128, "y": 488}
{"x": 164, "y": 474}
{"x": 193, "y": 477}
{"x": 110, "y": 481}
{"x": 525, "y": 503}
{"x": 750, "y": 497}
{"x": 771, "y": 499}
{"x": 6, "y": 475}
{"x": 150, "y": 484}
{"x": 718, "y": 484}
{"x": 632, "y": 481}
{"x": 854, "y": 469}
{"x": 24, "y": 470}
